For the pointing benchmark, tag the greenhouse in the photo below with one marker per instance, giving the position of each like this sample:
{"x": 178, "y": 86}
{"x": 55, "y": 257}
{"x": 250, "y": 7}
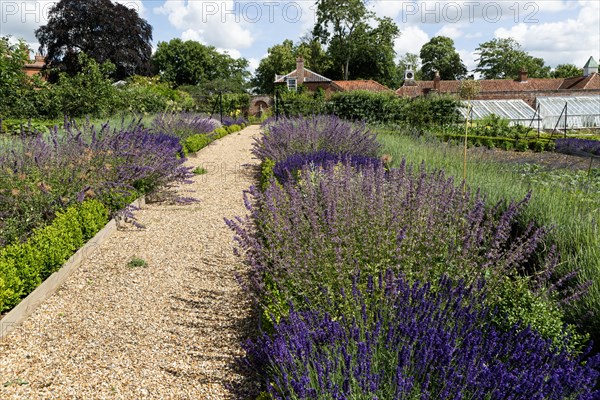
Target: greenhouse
{"x": 576, "y": 112}
{"x": 516, "y": 111}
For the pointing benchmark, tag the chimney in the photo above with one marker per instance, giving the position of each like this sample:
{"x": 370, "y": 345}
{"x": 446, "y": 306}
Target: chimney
{"x": 436, "y": 81}
{"x": 523, "y": 75}
{"x": 300, "y": 71}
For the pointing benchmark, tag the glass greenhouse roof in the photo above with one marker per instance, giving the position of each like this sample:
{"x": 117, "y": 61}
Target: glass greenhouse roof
{"x": 576, "y": 105}
{"x": 514, "y": 110}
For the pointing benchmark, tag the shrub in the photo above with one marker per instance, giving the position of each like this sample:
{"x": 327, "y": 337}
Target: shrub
{"x": 362, "y": 105}
{"x": 196, "y": 142}
{"x": 23, "y": 266}
{"x": 42, "y": 175}
{"x": 291, "y": 166}
{"x": 289, "y": 136}
{"x": 403, "y": 340}
{"x": 418, "y": 223}
{"x": 184, "y": 125}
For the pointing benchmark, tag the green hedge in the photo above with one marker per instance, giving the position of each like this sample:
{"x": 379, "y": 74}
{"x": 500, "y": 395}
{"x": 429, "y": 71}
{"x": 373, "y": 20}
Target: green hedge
{"x": 197, "y": 142}
{"x": 24, "y": 266}
{"x": 503, "y": 143}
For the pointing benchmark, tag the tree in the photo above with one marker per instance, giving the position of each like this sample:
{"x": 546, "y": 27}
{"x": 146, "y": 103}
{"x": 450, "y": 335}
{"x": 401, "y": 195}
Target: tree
{"x": 440, "y": 55}
{"x": 14, "y": 83}
{"x": 504, "y": 59}
{"x": 341, "y": 25}
{"x": 192, "y": 63}
{"x": 103, "y": 30}
{"x": 566, "y": 71}
{"x": 375, "y": 56}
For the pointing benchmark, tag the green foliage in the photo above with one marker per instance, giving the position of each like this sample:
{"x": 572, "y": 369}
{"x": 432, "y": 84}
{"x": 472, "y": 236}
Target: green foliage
{"x": 517, "y": 304}
{"x": 16, "y": 89}
{"x": 433, "y": 110}
{"x": 137, "y": 262}
{"x": 266, "y": 173}
{"x": 89, "y": 92}
{"x": 357, "y": 48}
{"x": 196, "y": 142}
{"x": 192, "y": 63}
{"x": 504, "y": 58}
{"x": 361, "y": 105}
{"x": 500, "y": 142}
{"x": 299, "y": 103}
{"x": 566, "y": 71}
{"x": 23, "y": 266}
{"x": 199, "y": 171}
{"x": 440, "y": 55}
{"x": 150, "y": 95}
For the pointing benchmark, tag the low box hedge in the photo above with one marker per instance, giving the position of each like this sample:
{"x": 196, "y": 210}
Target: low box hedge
{"x": 197, "y": 142}
{"x": 504, "y": 143}
{"x": 24, "y": 266}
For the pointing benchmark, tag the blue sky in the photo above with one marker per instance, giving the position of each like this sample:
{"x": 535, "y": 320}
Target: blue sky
{"x": 558, "y": 31}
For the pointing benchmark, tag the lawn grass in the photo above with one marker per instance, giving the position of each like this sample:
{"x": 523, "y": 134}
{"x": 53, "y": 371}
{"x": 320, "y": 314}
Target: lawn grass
{"x": 572, "y": 209}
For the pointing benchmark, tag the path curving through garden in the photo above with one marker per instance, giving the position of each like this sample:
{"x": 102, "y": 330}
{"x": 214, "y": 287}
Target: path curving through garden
{"x": 168, "y": 330}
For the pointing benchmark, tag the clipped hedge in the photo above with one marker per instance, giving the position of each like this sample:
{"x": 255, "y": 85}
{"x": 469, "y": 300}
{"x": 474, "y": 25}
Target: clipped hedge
{"x": 24, "y": 266}
{"x": 504, "y": 143}
{"x": 197, "y": 142}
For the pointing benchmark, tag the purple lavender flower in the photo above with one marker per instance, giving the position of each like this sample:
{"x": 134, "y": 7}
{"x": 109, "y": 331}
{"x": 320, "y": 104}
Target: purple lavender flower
{"x": 418, "y": 342}
{"x": 578, "y": 146}
{"x": 290, "y": 136}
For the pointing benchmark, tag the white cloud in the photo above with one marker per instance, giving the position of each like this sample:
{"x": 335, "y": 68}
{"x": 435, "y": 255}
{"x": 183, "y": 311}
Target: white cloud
{"x": 452, "y": 31}
{"x": 578, "y": 38}
{"x": 253, "y": 64}
{"x": 468, "y": 58}
{"x": 489, "y": 11}
{"x": 386, "y": 8}
{"x": 220, "y": 24}
{"x": 411, "y": 39}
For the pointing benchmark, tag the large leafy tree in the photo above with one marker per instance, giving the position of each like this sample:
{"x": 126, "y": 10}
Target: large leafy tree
{"x": 566, "y": 71}
{"x": 440, "y": 55}
{"x": 504, "y": 58}
{"x": 375, "y": 56}
{"x": 342, "y": 25}
{"x": 192, "y": 63}
{"x": 103, "y": 30}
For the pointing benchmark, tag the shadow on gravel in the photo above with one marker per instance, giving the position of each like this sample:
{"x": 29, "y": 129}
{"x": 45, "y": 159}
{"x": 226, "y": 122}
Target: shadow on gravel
{"x": 225, "y": 320}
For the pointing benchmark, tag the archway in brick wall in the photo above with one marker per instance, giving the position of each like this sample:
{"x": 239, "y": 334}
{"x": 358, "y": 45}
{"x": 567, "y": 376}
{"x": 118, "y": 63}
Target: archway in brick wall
{"x": 260, "y": 104}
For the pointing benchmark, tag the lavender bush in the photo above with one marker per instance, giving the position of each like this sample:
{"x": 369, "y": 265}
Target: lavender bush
{"x": 578, "y": 146}
{"x": 42, "y": 175}
{"x": 183, "y": 125}
{"x": 290, "y": 136}
{"x": 408, "y": 341}
{"x": 291, "y": 166}
{"x": 228, "y": 121}
{"x": 339, "y": 221}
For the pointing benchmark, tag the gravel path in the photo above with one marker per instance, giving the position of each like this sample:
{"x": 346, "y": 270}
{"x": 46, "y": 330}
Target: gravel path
{"x": 170, "y": 330}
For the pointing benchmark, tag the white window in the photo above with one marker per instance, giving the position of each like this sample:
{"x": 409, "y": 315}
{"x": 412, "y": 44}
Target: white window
{"x": 291, "y": 83}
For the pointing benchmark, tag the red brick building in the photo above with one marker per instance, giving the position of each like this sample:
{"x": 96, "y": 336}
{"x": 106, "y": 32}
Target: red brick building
{"x": 523, "y": 87}
{"x": 313, "y": 81}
